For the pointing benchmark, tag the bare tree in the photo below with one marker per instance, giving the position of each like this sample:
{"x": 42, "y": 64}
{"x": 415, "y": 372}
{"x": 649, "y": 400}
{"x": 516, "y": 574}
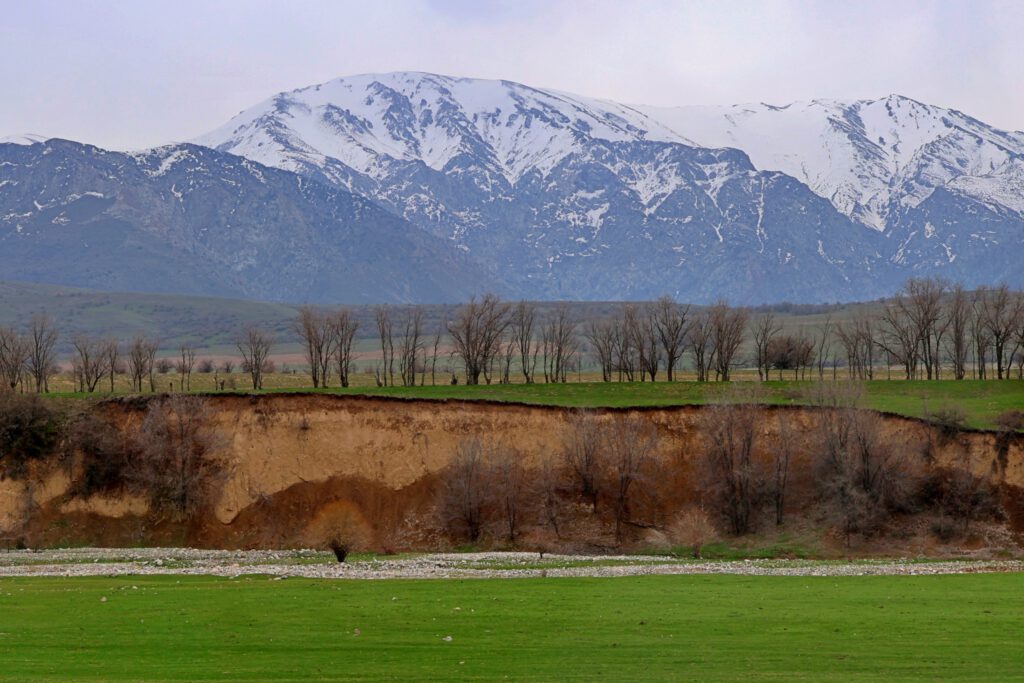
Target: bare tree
{"x": 639, "y": 326}
{"x": 558, "y": 338}
{"x": 671, "y": 324}
{"x": 584, "y": 456}
{"x": 781, "y": 456}
{"x": 733, "y": 479}
{"x": 436, "y": 347}
{"x": 860, "y": 474}
{"x": 42, "y": 351}
{"x": 523, "y": 320}
{"x": 823, "y": 346}
{"x": 14, "y": 356}
{"x": 506, "y": 478}
{"x": 410, "y": 345}
{"x": 702, "y": 344}
{"x": 602, "y": 337}
{"x": 141, "y": 356}
{"x": 344, "y": 327}
{"x": 89, "y": 362}
{"x": 727, "y": 326}
{"x": 318, "y": 333}
{"x": 112, "y": 352}
{"x": 1001, "y": 315}
{"x": 764, "y": 329}
{"x": 385, "y": 332}
{"x": 463, "y": 489}
{"x": 631, "y": 447}
{"x": 476, "y": 333}
{"x": 254, "y": 346}
{"x": 788, "y": 352}
{"x": 186, "y": 363}
{"x": 546, "y": 482}
{"x": 958, "y": 318}
{"x": 176, "y": 462}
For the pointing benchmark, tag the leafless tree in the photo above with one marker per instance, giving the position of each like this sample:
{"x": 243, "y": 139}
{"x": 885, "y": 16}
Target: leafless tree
{"x": 255, "y": 346}
{"x": 1001, "y": 315}
{"x": 436, "y": 348}
{"x": 601, "y": 336}
{"x": 958, "y": 318}
{"x": 639, "y": 326}
{"x": 141, "y": 358}
{"x": 584, "y": 456}
{"x": 14, "y": 355}
{"x": 318, "y": 333}
{"x": 858, "y": 339}
{"x": 42, "y": 351}
{"x": 546, "y": 481}
{"x": 476, "y": 333}
{"x": 624, "y": 354}
{"x": 732, "y": 476}
{"x": 186, "y": 363}
{"x": 385, "y": 332}
{"x": 702, "y": 344}
{"x": 410, "y": 345}
{"x": 176, "y": 462}
{"x": 558, "y": 339}
{"x": 523, "y": 320}
{"x": 763, "y": 330}
{"x": 344, "y": 327}
{"x": 506, "y": 478}
{"x": 112, "y": 354}
{"x": 88, "y": 362}
{"x": 861, "y": 475}
{"x": 672, "y": 325}
{"x": 463, "y": 489}
{"x": 631, "y": 446}
{"x": 781, "y": 457}
{"x": 727, "y": 326}
{"x": 823, "y": 346}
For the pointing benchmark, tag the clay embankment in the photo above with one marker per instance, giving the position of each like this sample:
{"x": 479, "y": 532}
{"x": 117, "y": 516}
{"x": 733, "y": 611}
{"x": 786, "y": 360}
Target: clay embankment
{"x": 291, "y": 459}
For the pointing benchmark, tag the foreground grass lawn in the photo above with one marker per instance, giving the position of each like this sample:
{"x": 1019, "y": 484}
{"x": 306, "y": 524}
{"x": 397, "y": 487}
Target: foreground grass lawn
{"x": 967, "y": 627}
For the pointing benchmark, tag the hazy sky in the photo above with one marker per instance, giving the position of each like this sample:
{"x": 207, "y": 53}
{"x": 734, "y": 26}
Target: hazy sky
{"x": 138, "y": 73}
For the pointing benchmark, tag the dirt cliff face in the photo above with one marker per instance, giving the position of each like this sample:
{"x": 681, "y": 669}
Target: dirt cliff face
{"x": 377, "y": 461}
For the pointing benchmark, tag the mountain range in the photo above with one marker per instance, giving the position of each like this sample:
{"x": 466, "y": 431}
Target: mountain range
{"x": 419, "y": 187}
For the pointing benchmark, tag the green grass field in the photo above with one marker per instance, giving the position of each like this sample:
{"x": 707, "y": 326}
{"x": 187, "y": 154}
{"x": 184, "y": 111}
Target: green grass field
{"x": 711, "y": 628}
{"x": 981, "y": 401}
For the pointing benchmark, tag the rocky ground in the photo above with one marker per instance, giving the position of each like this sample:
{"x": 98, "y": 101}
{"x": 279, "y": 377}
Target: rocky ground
{"x": 317, "y": 564}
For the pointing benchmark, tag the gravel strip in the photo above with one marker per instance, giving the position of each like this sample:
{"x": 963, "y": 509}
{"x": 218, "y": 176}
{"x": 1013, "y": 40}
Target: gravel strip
{"x": 318, "y": 565}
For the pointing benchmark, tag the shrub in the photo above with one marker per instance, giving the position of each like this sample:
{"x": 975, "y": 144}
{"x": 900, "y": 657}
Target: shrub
{"x": 949, "y": 421}
{"x": 105, "y": 454}
{"x": 29, "y": 430}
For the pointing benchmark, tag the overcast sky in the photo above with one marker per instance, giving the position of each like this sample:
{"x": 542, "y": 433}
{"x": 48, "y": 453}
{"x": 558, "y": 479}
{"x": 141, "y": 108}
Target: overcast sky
{"x": 138, "y": 73}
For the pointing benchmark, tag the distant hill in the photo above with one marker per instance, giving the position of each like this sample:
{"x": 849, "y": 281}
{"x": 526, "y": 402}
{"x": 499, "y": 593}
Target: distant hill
{"x": 187, "y": 219}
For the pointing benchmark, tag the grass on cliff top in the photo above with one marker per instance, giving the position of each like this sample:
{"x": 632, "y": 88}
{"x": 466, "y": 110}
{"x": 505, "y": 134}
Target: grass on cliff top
{"x": 981, "y": 401}
{"x": 712, "y": 628}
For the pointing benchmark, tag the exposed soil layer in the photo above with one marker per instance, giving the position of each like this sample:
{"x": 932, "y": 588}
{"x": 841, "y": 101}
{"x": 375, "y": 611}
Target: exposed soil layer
{"x": 294, "y": 458}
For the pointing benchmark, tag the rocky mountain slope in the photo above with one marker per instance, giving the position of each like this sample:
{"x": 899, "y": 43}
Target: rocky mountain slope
{"x": 560, "y": 193}
{"x": 188, "y": 219}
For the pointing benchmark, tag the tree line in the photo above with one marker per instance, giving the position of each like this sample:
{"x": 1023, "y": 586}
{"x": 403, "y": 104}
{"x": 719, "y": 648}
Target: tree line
{"x": 929, "y": 330}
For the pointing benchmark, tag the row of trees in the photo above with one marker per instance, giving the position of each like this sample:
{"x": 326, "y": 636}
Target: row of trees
{"x": 930, "y": 330}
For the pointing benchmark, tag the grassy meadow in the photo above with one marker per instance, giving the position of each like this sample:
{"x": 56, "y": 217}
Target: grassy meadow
{"x": 981, "y": 401}
{"x": 709, "y": 628}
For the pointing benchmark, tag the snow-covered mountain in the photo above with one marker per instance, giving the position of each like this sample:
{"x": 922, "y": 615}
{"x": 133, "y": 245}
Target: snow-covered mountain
{"x": 870, "y": 158}
{"x": 562, "y": 195}
{"x": 190, "y": 220}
